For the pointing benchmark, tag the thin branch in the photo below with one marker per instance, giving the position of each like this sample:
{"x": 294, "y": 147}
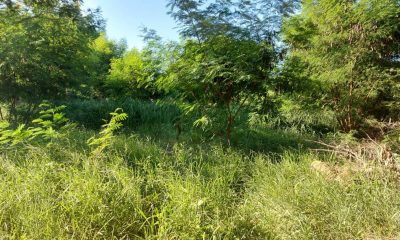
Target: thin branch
{"x": 240, "y": 106}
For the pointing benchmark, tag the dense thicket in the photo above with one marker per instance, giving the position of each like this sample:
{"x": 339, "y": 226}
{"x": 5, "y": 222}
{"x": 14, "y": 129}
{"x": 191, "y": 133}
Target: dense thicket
{"x": 43, "y": 49}
{"x": 230, "y": 52}
{"x": 269, "y": 119}
{"x": 270, "y": 57}
{"x": 348, "y": 52}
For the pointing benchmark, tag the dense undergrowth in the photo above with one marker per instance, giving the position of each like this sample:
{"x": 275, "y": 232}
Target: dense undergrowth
{"x": 148, "y": 184}
{"x": 267, "y": 119}
{"x": 138, "y": 189}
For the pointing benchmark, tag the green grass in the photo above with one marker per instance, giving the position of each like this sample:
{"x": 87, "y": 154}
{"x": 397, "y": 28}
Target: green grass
{"x": 290, "y": 201}
{"x": 149, "y": 184}
{"x": 146, "y": 189}
{"x": 92, "y": 113}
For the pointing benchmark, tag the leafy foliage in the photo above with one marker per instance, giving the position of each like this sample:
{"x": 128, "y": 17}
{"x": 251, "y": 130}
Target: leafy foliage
{"x": 230, "y": 52}
{"x": 158, "y": 55}
{"x": 51, "y": 124}
{"x": 43, "y": 49}
{"x": 259, "y": 20}
{"x": 141, "y": 74}
{"x": 104, "y": 51}
{"x": 126, "y": 75}
{"x": 107, "y": 133}
{"x": 350, "y": 50}
{"x": 13, "y": 137}
{"x": 221, "y": 72}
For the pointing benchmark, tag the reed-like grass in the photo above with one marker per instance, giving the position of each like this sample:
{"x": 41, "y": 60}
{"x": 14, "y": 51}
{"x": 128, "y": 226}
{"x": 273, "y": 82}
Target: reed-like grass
{"x": 92, "y": 113}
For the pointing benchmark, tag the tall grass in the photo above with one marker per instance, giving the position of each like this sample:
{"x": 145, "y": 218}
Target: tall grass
{"x": 139, "y": 189}
{"x": 158, "y": 121}
{"x": 91, "y": 113}
{"x": 290, "y": 200}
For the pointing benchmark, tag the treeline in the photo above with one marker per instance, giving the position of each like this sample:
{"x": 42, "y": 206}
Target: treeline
{"x": 339, "y": 58}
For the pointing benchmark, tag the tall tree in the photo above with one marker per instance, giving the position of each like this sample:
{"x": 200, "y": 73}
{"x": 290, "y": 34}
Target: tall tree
{"x": 140, "y": 73}
{"x": 351, "y": 50}
{"x": 43, "y": 48}
{"x": 230, "y": 51}
{"x": 104, "y": 52}
{"x": 259, "y": 20}
{"x": 222, "y": 72}
{"x": 157, "y": 55}
{"x": 127, "y": 76}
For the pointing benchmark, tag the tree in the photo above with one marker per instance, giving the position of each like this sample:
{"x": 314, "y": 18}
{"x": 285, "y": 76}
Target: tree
{"x": 259, "y": 20}
{"x": 222, "y": 72}
{"x": 157, "y": 55}
{"x": 104, "y": 51}
{"x": 43, "y": 49}
{"x": 350, "y": 49}
{"x": 141, "y": 73}
{"x": 230, "y": 52}
{"x": 127, "y": 76}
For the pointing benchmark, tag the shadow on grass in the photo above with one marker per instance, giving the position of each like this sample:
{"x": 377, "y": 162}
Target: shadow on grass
{"x": 155, "y": 121}
{"x": 245, "y": 140}
{"x": 268, "y": 141}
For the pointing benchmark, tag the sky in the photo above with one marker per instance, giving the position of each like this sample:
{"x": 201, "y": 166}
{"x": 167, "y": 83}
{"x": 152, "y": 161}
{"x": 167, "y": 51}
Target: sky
{"x": 126, "y": 17}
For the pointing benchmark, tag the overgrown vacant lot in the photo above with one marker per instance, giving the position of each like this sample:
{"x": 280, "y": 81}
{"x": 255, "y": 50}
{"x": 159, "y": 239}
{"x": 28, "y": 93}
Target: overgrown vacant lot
{"x": 238, "y": 119}
{"x": 145, "y": 189}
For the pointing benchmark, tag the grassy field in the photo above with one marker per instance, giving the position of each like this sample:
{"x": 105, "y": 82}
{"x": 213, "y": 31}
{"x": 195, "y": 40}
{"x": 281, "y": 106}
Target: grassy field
{"x": 145, "y": 189}
{"x": 150, "y": 184}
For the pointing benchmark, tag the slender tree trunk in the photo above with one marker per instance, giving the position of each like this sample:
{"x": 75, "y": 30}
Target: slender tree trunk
{"x": 350, "y": 109}
{"x": 229, "y": 129}
{"x": 13, "y": 109}
{"x": 229, "y": 124}
{"x": 178, "y": 126}
{"x": 350, "y": 120}
{"x": 231, "y": 116}
{"x": 31, "y": 109}
{"x": 1, "y": 114}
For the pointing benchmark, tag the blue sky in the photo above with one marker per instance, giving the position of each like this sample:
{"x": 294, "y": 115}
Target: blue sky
{"x": 125, "y": 17}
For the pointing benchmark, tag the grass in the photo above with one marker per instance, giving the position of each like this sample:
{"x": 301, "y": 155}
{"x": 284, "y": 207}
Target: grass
{"x": 149, "y": 184}
{"x": 143, "y": 189}
{"x": 92, "y": 113}
{"x": 290, "y": 201}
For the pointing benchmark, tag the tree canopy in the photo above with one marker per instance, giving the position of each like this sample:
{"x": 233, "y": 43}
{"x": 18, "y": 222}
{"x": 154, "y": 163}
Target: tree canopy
{"x": 43, "y": 48}
{"x": 340, "y": 57}
{"x": 351, "y": 50}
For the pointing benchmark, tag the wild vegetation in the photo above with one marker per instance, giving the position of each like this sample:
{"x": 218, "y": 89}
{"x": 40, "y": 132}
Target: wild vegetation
{"x": 268, "y": 120}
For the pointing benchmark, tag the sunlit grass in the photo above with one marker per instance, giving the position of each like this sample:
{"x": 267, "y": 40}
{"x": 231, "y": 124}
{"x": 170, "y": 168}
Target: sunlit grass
{"x": 141, "y": 189}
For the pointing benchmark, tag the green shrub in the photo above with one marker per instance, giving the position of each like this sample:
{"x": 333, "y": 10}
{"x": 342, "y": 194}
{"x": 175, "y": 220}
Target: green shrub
{"x": 50, "y": 125}
{"x": 107, "y": 132}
